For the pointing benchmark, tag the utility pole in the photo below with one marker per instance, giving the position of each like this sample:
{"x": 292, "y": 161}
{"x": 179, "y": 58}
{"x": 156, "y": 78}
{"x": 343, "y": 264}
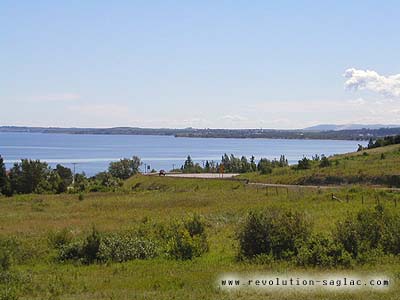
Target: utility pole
{"x": 73, "y": 177}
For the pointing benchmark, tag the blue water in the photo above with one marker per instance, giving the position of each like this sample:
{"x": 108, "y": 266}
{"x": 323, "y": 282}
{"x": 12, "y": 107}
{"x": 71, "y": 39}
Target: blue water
{"x": 93, "y": 153}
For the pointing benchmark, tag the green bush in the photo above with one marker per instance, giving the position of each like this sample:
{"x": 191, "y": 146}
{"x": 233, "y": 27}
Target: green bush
{"x": 370, "y": 230}
{"x": 91, "y": 246}
{"x": 111, "y": 247}
{"x": 194, "y": 225}
{"x": 274, "y": 231}
{"x": 11, "y": 251}
{"x": 117, "y": 247}
{"x": 322, "y": 251}
{"x": 70, "y": 251}
{"x": 57, "y": 239}
{"x": 187, "y": 239}
{"x": 304, "y": 164}
{"x": 325, "y": 162}
{"x": 5, "y": 260}
{"x": 85, "y": 251}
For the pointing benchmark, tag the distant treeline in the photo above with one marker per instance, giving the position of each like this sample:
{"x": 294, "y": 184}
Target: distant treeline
{"x": 350, "y": 134}
{"x": 386, "y": 141}
{"x": 33, "y": 176}
{"x": 232, "y": 164}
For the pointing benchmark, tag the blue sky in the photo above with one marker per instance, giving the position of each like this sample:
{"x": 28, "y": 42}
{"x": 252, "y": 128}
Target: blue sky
{"x": 232, "y": 64}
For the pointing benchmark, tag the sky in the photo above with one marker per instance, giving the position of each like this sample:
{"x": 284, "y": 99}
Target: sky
{"x": 203, "y": 64}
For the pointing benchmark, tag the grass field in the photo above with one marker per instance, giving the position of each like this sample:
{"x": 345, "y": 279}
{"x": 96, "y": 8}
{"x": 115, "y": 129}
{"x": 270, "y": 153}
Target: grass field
{"x": 154, "y": 200}
{"x": 379, "y": 166}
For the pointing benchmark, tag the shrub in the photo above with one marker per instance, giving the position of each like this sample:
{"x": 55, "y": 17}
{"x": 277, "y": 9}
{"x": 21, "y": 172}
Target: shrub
{"x": 59, "y": 238}
{"x": 5, "y": 260}
{"x": 111, "y": 247}
{"x": 11, "y": 251}
{"x": 117, "y": 247}
{"x": 91, "y": 246}
{"x": 370, "y": 230}
{"x": 187, "y": 239}
{"x": 264, "y": 166}
{"x": 322, "y": 251}
{"x": 273, "y": 232}
{"x": 325, "y": 162}
{"x": 85, "y": 251}
{"x": 304, "y": 164}
{"x": 194, "y": 225}
{"x": 71, "y": 251}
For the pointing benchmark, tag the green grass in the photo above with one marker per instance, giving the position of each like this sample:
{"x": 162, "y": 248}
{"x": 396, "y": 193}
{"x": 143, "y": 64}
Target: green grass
{"x": 364, "y": 167}
{"x": 223, "y": 205}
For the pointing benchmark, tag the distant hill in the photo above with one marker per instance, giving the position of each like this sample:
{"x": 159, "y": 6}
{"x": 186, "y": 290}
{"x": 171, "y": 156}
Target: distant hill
{"x": 313, "y": 133}
{"x": 334, "y": 127}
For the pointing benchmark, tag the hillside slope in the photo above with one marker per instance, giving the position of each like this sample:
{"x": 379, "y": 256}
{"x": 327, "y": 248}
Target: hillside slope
{"x": 379, "y": 166}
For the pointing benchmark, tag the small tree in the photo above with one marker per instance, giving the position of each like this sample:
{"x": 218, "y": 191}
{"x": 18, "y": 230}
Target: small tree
{"x": 29, "y": 176}
{"x": 253, "y": 165}
{"x": 264, "y": 166}
{"x": 65, "y": 176}
{"x": 304, "y": 164}
{"x": 5, "y": 187}
{"x": 283, "y": 162}
{"x": 325, "y": 162}
{"x": 188, "y": 164}
{"x": 273, "y": 231}
{"x": 125, "y": 168}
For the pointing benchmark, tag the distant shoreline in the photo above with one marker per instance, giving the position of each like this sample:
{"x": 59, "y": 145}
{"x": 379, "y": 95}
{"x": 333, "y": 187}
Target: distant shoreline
{"x": 348, "y": 134}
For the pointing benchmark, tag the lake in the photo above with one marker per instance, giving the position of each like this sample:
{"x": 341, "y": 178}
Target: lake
{"x": 93, "y": 153}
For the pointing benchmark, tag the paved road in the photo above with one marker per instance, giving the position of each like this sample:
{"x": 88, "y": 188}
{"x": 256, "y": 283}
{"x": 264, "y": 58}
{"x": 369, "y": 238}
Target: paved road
{"x": 201, "y": 175}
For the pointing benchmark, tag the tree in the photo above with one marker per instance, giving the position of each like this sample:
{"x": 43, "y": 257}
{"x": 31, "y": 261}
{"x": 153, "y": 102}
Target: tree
{"x": 283, "y": 162}
{"x": 371, "y": 144}
{"x": 325, "y": 162}
{"x": 5, "y": 187}
{"x": 264, "y": 166}
{"x": 125, "y": 168}
{"x": 65, "y": 175}
{"x": 188, "y": 164}
{"x": 190, "y": 167}
{"x": 316, "y": 157}
{"x": 304, "y": 164}
{"x": 244, "y": 165}
{"x": 29, "y": 176}
{"x": 81, "y": 182}
{"x": 253, "y": 165}
{"x": 207, "y": 167}
{"x": 105, "y": 179}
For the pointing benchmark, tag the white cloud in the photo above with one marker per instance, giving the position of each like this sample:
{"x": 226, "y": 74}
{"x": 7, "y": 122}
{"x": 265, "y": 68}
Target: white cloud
{"x": 388, "y": 86}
